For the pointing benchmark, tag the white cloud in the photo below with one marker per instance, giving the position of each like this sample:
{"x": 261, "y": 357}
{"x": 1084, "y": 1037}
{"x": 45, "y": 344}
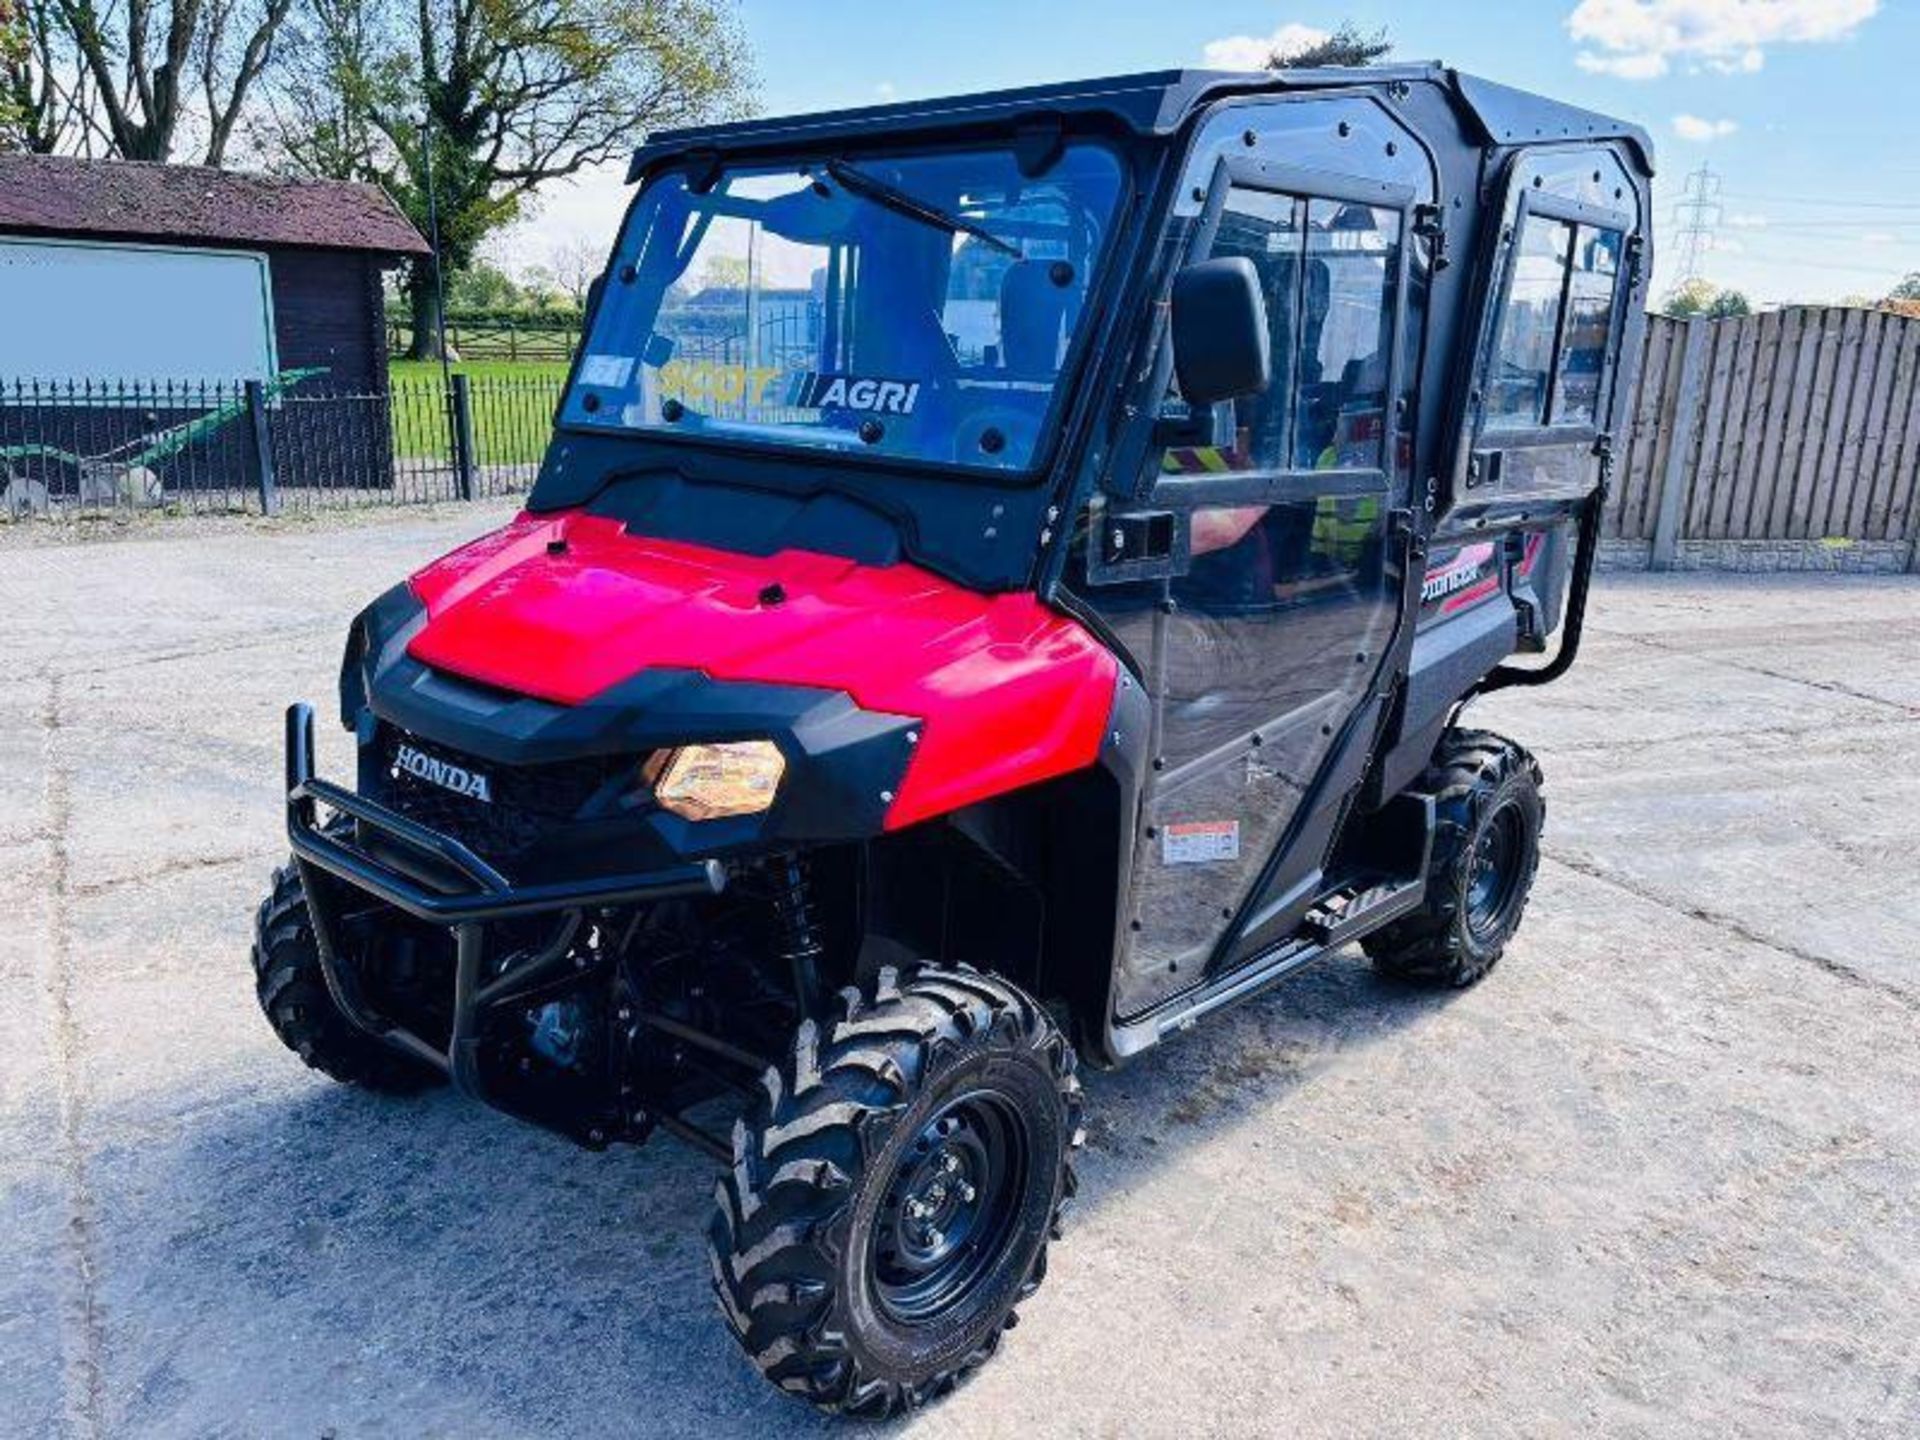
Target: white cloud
{"x": 1640, "y": 39}
{"x": 886, "y": 91}
{"x": 1692, "y": 127}
{"x": 1879, "y": 237}
{"x": 1251, "y": 52}
{"x": 1743, "y": 220}
{"x": 1725, "y": 245}
{"x": 1649, "y": 66}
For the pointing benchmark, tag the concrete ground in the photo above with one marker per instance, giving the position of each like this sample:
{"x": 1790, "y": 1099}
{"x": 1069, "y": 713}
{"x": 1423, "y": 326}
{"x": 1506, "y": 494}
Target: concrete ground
{"x": 1659, "y": 1175}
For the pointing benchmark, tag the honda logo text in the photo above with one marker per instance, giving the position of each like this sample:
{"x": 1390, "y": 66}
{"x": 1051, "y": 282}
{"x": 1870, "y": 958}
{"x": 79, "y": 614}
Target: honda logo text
{"x": 434, "y": 771}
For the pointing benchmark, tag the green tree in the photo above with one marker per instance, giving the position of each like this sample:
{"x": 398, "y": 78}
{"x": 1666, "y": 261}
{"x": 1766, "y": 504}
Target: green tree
{"x": 16, "y": 51}
{"x": 1728, "y": 305}
{"x": 484, "y": 286}
{"x": 1904, "y": 298}
{"x": 1702, "y": 299}
{"x": 1346, "y": 46}
{"x": 724, "y": 272}
{"x": 43, "y": 91}
{"x": 507, "y": 95}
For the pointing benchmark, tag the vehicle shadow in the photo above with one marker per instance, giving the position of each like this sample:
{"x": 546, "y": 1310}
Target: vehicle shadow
{"x": 342, "y": 1263}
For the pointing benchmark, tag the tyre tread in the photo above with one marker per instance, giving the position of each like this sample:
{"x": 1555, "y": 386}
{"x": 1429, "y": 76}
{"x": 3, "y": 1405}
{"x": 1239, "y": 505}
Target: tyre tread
{"x": 1432, "y": 944}
{"x": 293, "y": 994}
{"x": 775, "y": 1241}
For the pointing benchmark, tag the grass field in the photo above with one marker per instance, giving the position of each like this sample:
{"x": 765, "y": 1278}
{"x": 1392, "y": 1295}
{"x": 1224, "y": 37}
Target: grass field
{"x": 512, "y": 409}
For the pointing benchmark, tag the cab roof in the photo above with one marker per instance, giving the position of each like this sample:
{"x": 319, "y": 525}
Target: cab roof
{"x": 1156, "y": 103}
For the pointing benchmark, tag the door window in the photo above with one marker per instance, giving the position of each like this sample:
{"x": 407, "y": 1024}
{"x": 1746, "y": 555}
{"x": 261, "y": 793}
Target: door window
{"x": 1329, "y": 269}
{"x": 1550, "y": 354}
{"x": 1596, "y": 267}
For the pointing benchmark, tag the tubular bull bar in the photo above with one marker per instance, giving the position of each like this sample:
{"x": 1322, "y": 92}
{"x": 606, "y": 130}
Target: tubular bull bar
{"x": 435, "y": 878}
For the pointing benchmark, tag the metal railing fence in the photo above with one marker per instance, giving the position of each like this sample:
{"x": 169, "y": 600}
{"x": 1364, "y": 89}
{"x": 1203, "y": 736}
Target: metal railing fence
{"x": 1794, "y": 427}
{"x": 85, "y": 448}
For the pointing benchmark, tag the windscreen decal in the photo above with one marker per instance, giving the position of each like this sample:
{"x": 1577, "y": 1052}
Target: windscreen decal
{"x": 702, "y": 383}
{"x": 817, "y": 391}
{"x": 611, "y": 371}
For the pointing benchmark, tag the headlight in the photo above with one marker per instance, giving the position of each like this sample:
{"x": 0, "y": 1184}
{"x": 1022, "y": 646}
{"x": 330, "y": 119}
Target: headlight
{"x": 709, "y": 782}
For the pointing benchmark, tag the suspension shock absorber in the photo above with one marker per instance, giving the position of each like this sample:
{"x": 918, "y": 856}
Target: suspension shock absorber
{"x": 798, "y": 926}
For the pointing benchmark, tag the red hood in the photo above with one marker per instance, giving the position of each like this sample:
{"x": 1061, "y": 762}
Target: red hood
{"x": 1011, "y": 692}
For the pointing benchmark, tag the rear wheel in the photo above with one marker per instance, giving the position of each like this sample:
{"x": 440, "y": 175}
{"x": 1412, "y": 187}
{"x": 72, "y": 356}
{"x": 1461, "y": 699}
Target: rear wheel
{"x": 891, "y": 1199}
{"x": 1486, "y": 848}
{"x": 293, "y": 993}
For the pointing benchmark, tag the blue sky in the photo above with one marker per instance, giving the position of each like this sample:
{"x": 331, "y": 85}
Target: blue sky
{"x": 1789, "y": 101}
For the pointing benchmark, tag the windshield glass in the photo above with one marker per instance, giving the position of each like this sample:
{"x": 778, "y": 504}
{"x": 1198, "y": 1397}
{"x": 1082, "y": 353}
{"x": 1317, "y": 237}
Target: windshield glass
{"x": 919, "y": 306}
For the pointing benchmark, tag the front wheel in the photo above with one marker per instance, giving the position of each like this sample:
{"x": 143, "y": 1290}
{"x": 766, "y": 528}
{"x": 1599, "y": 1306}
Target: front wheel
{"x": 292, "y": 990}
{"x": 892, "y": 1197}
{"x": 1486, "y": 848}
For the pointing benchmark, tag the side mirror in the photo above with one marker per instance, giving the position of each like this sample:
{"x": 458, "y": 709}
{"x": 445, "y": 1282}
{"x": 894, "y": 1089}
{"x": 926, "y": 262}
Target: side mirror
{"x": 594, "y": 287}
{"x": 1220, "y": 344}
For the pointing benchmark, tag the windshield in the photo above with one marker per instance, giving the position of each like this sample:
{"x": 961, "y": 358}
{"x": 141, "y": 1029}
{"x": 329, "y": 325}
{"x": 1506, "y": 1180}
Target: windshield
{"x": 918, "y": 306}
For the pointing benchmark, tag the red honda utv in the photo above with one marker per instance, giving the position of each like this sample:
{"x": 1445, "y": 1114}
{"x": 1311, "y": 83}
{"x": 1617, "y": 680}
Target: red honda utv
{"x": 1002, "y": 586}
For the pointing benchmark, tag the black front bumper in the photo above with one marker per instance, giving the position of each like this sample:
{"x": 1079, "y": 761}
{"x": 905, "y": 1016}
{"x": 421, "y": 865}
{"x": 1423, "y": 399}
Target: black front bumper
{"x": 435, "y": 878}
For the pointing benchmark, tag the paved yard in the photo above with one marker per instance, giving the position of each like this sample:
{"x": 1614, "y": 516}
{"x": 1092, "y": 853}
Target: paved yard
{"x": 1659, "y": 1175}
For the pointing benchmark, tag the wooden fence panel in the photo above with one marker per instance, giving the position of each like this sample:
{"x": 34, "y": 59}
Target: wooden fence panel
{"x": 1735, "y": 421}
{"x": 1843, "y": 415}
{"x": 1763, "y": 481}
{"x": 1637, "y": 472}
{"x": 1718, "y": 377}
{"x": 1847, "y": 512}
{"x": 1899, "y": 442}
{"x": 1800, "y": 424}
{"x": 1811, "y": 436}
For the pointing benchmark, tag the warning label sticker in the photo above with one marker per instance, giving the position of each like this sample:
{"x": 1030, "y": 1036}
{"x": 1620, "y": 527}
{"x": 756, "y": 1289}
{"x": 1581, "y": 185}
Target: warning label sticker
{"x": 1200, "y": 842}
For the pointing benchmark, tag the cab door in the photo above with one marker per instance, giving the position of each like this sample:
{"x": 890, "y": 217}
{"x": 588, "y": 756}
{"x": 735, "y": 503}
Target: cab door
{"x": 1559, "y": 334}
{"x": 1254, "y": 582}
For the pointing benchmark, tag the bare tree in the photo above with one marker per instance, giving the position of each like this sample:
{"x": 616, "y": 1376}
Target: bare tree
{"x": 233, "y": 51}
{"x": 136, "y": 79}
{"x": 1347, "y": 46}
{"x": 514, "y": 94}
{"x": 574, "y": 263}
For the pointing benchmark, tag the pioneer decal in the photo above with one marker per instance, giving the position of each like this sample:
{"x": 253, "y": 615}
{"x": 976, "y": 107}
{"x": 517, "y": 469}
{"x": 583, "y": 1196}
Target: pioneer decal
{"x": 1482, "y": 589}
{"x": 445, "y": 774}
{"x": 1536, "y": 541}
{"x": 1463, "y": 570}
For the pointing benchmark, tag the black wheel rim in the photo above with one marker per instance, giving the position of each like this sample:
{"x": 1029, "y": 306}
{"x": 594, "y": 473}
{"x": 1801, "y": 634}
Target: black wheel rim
{"x": 951, "y": 1208}
{"x": 1493, "y": 883}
